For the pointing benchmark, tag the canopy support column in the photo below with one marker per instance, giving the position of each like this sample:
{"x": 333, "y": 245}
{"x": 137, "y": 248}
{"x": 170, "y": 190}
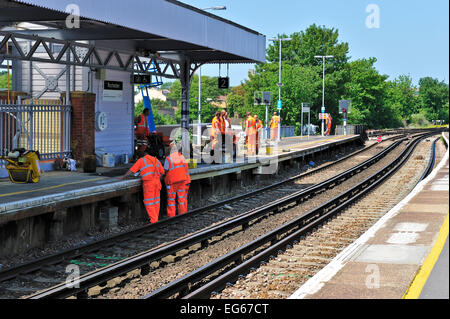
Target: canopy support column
{"x": 185, "y": 79}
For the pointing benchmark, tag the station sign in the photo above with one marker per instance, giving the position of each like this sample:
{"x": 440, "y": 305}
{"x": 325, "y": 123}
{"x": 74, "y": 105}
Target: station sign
{"x": 279, "y": 104}
{"x": 322, "y": 109}
{"x": 305, "y": 108}
{"x": 113, "y": 91}
{"x": 142, "y": 79}
{"x": 223, "y": 83}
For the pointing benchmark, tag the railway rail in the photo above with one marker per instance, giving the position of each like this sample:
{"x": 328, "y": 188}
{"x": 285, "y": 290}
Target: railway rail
{"x": 282, "y": 276}
{"x": 51, "y": 265}
{"x": 233, "y": 265}
{"x": 48, "y": 265}
{"x": 142, "y": 260}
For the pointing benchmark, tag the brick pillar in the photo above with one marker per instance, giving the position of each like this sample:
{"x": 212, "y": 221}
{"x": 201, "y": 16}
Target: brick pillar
{"x": 82, "y": 130}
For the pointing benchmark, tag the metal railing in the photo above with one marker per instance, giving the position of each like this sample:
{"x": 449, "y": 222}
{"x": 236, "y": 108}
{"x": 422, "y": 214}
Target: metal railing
{"x": 350, "y": 129}
{"x": 39, "y": 125}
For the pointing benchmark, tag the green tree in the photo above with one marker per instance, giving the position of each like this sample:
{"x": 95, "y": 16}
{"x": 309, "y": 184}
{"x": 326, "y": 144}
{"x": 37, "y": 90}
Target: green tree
{"x": 315, "y": 40}
{"x": 401, "y": 96}
{"x": 210, "y": 90}
{"x": 4, "y": 80}
{"x": 434, "y": 98}
{"x": 158, "y": 118}
{"x": 236, "y": 101}
{"x": 302, "y": 73}
{"x": 367, "y": 90}
{"x": 166, "y": 85}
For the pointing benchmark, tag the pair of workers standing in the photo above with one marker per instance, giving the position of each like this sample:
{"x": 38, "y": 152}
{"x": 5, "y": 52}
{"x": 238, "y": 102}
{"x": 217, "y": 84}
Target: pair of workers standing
{"x": 177, "y": 180}
{"x": 220, "y": 123}
{"x": 253, "y": 129}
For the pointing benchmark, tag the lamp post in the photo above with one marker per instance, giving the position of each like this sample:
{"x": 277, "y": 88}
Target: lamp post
{"x": 323, "y": 57}
{"x": 279, "y": 85}
{"x": 199, "y": 127}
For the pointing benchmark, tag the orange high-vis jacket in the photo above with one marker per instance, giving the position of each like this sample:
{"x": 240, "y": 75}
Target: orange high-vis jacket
{"x": 176, "y": 171}
{"x": 222, "y": 125}
{"x": 250, "y": 125}
{"x": 149, "y": 168}
{"x": 274, "y": 121}
{"x": 258, "y": 125}
{"x": 215, "y": 127}
{"x": 142, "y": 126}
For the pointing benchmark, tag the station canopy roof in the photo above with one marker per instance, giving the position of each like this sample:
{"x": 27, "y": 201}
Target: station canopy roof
{"x": 165, "y": 27}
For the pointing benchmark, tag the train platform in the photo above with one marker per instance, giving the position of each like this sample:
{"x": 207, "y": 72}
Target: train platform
{"x": 403, "y": 256}
{"x": 59, "y": 189}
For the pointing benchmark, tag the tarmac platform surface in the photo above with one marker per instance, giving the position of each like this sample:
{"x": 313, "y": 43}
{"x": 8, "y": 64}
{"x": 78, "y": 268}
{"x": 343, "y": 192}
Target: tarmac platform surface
{"x": 56, "y": 187}
{"x": 405, "y": 252}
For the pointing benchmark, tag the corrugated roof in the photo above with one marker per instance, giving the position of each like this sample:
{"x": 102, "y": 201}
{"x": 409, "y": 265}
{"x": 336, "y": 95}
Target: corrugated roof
{"x": 156, "y": 25}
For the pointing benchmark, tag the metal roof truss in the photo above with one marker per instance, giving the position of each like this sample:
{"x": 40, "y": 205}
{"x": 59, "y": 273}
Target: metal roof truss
{"x": 88, "y": 55}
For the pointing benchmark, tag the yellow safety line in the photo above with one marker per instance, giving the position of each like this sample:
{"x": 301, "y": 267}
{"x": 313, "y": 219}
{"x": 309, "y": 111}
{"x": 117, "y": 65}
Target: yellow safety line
{"x": 51, "y": 187}
{"x": 416, "y": 286}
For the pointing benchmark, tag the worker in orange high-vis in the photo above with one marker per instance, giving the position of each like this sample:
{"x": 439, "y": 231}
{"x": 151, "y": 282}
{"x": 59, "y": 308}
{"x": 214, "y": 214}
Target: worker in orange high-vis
{"x": 274, "y": 126}
{"x": 222, "y": 125}
{"x": 150, "y": 170}
{"x": 328, "y": 123}
{"x": 215, "y": 129}
{"x": 176, "y": 179}
{"x": 250, "y": 133}
{"x": 142, "y": 124}
{"x": 223, "y": 122}
{"x": 258, "y": 125}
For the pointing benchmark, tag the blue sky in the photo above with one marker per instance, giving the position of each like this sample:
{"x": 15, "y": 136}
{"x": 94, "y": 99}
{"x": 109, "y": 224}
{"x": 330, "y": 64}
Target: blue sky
{"x": 412, "y": 37}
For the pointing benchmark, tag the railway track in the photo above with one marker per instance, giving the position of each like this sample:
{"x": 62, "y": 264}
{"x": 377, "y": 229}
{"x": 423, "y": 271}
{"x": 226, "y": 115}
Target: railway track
{"x": 281, "y": 276}
{"x": 48, "y": 268}
{"x": 304, "y": 245}
{"x": 202, "y": 239}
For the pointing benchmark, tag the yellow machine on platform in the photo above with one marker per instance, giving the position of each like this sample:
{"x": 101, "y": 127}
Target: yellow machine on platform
{"x": 23, "y": 166}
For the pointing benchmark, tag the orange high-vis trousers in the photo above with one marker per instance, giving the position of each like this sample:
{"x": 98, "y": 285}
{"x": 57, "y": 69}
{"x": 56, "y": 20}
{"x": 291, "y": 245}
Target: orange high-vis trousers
{"x": 187, "y": 190}
{"x": 251, "y": 144}
{"x": 274, "y": 133}
{"x": 174, "y": 191}
{"x": 152, "y": 199}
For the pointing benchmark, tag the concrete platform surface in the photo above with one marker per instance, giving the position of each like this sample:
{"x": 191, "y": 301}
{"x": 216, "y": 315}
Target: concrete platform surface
{"x": 396, "y": 258}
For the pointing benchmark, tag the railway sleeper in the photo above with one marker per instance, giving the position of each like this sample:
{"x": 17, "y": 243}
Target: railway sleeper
{"x": 204, "y": 244}
{"x": 82, "y": 294}
{"x": 145, "y": 270}
{"x": 240, "y": 259}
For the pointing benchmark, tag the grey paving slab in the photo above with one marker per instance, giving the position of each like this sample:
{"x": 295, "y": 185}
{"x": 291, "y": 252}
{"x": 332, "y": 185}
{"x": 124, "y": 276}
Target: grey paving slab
{"x": 393, "y": 254}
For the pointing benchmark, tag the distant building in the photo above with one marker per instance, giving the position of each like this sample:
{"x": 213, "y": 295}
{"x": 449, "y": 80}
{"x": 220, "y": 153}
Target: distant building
{"x": 154, "y": 93}
{"x": 220, "y": 102}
